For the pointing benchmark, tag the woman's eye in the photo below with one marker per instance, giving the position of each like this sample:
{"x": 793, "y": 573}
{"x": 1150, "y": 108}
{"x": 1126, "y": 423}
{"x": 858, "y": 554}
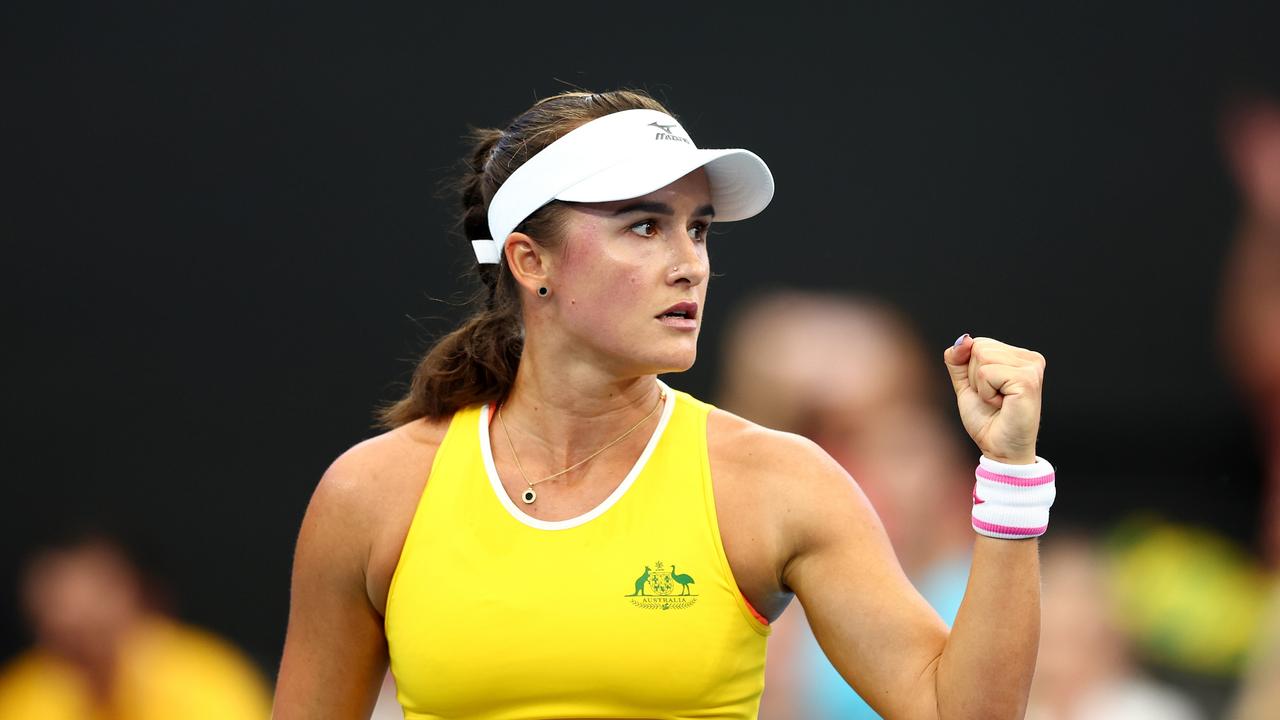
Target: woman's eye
{"x": 698, "y": 232}
{"x": 648, "y": 228}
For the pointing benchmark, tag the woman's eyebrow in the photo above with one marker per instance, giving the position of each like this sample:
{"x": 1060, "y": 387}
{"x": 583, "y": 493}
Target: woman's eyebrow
{"x": 658, "y": 208}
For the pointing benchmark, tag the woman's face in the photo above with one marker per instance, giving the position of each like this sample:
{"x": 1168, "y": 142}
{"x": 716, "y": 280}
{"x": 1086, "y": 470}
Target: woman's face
{"x": 630, "y": 278}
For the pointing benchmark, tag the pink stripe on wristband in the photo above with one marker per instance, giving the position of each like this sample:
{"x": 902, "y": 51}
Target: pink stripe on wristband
{"x": 1011, "y": 502}
{"x": 1009, "y": 529}
{"x": 1015, "y": 481}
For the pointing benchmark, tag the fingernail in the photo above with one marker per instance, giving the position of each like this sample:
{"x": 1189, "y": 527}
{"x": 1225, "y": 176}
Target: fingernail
{"x": 960, "y": 340}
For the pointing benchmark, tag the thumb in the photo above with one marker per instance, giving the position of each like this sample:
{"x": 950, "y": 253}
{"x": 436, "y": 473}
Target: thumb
{"x": 957, "y": 359}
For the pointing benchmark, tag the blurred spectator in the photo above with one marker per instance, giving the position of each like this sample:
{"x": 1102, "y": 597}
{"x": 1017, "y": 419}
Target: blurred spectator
{"x": 1189, "y": 599}
{"x": 851, "y": 375}
{"x": 103, "y": 652}
{"x": 1251, "y": 324}
{"x": 1084, "y": 671}
{"x": 1251, "y": 309}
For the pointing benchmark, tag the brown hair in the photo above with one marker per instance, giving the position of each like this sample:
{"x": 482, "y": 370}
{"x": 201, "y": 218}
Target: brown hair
{"x": 476, "y": 363}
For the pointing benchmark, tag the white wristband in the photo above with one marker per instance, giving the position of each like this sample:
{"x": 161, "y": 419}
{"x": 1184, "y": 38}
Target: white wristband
{"x": 1012, "y": 502}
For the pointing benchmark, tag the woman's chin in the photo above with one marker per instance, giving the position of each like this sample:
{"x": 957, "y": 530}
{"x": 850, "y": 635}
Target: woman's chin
{"x": 659, "y": 364}
{"x": 676, "y": 363}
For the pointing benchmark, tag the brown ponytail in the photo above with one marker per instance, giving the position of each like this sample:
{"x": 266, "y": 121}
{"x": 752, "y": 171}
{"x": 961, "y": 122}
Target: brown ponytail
{"x": 477, "y": 362}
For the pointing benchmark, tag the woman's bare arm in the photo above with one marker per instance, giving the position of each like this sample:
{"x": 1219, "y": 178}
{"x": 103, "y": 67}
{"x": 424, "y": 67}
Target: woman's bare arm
{"x": 885, "y": 639}
{"x": 335, "y": 653}
{"x": 828, "y": 547}
{"x": 876, "y": 629}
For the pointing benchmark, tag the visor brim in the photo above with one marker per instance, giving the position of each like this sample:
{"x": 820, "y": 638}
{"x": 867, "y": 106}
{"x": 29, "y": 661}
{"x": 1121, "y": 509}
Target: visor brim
{"x": 741, "y": 184}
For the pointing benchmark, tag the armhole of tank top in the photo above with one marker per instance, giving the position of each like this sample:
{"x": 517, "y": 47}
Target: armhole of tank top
{"x": 413, "y": 521}
{"x": 754, "y": 619}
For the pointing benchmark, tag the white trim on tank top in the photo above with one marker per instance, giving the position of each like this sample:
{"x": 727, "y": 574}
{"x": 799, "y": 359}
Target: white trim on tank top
{"x": 486, "y": 451}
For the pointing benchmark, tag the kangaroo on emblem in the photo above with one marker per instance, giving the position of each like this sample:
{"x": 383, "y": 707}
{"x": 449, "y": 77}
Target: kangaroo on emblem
{"x": 640, "y": 581}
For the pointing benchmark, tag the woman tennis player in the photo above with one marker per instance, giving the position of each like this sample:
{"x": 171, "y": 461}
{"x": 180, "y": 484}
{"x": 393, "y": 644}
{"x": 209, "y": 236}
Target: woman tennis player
{"x": 549, "y": 531}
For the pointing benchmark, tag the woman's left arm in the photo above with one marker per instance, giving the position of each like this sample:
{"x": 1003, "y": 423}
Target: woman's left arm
{"x": 993, "y": 644}
{"x": 876, "y": 629}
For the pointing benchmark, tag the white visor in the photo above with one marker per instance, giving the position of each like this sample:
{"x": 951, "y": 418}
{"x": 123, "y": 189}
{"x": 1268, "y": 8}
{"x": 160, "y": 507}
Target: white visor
{"x": 621, "y": 156}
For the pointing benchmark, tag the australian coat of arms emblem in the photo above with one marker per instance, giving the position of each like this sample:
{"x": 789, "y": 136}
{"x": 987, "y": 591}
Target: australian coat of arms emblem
{"x": 661, "y": 587}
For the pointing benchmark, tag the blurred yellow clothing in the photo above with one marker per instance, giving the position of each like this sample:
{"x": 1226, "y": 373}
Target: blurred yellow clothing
{"x": 167, "y": 670}
{"x": 1188, "y": 597}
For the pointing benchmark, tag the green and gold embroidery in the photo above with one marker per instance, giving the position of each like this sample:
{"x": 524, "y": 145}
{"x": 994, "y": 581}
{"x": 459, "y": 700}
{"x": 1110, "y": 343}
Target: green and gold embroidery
{"x": 660, "y": 587}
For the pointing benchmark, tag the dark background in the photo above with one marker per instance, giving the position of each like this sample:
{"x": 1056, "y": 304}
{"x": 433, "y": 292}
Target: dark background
{"x": 224, "y": 245}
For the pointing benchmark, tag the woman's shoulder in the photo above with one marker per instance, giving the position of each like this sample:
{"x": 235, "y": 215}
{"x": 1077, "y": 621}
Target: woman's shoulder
{"x": 383, "y": 463}
{"x": 374, "y": 478}
{"x": 756, "y": 461}
{"x": 773, "y": 492}
{"x": 388, "y": 449}
{"x": 365, "y": 501}
{"x": 753, "y": 448}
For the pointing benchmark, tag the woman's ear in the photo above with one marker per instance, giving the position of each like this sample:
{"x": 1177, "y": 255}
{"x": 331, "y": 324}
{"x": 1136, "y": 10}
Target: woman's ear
{"x": 529, "y": 262}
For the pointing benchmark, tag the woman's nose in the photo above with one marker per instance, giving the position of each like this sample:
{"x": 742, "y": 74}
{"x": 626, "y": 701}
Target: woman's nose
{"x": 689, "y": 264}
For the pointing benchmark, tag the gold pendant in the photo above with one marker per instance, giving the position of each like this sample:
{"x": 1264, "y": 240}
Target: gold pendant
{"x": 528, "y": 496}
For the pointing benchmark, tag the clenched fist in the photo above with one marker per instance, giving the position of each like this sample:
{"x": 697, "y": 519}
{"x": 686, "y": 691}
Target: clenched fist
{"x": 998, "y": 391}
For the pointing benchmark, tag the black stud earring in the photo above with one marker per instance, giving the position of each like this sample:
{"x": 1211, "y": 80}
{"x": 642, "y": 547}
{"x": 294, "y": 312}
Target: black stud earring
{"x": 543, "y": 291}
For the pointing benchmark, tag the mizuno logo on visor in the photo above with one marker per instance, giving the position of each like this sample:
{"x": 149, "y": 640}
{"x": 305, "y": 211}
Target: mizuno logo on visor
{"x": 666, "y": 133}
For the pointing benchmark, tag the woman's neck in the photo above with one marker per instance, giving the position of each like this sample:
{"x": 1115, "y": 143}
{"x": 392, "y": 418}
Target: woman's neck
{"x": 569, "y": 410}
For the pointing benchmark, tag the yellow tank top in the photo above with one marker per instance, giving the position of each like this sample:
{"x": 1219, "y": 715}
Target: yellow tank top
{"x": 627, "y": 611}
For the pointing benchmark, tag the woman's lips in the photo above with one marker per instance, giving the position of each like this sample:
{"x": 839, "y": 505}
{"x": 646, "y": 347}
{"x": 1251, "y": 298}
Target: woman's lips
{"x": 679, "y": 323}
{"x": 681, "y": 316}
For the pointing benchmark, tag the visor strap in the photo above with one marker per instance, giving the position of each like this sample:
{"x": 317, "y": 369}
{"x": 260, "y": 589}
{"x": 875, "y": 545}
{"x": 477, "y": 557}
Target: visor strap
{"x": 487, "y": 252}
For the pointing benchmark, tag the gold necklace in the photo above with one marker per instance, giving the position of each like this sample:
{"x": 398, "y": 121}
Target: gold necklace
{"x": 528, "y": 496}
